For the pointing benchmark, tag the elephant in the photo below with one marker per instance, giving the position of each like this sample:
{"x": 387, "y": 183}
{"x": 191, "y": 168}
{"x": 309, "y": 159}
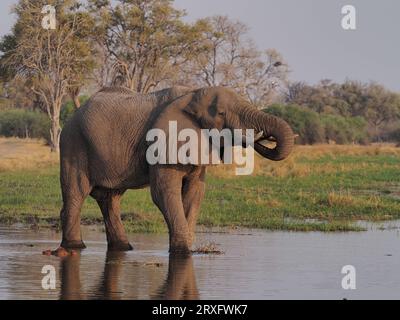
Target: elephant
{"x": 103, "y": 154}
{"x": 70, "y": 278}
{"x": 179, "y": 283}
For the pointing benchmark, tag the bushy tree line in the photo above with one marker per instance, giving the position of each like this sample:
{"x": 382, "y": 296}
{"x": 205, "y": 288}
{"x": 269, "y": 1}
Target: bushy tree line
{"x": 348, "y": 112}
{"x": 24, "y": 124}
{"x": 313, "y": 127}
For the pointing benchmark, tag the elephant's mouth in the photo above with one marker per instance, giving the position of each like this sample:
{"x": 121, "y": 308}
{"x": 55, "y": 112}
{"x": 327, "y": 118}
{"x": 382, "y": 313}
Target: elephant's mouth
{"x": 269, "y": 143}
{"x": 263, "y": 145}
{"x": 267, "y": 147}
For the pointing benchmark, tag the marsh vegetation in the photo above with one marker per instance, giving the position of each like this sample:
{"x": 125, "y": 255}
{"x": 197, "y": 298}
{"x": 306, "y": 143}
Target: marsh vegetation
{"x": 318, "y": 188}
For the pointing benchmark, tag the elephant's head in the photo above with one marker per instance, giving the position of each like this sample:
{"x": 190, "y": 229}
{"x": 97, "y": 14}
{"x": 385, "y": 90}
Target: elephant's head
{"x": 220, "y": 108}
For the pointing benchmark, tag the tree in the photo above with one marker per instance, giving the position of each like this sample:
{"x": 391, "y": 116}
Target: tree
{"x": 231, "y": 59}
{"x": 143, "y": 43}
{"x": 3, "y": 96}
{"x": 49, "y": 60}
{"x": 381, "y": 107}
{"x": 351, "y": 95}
{"x": 104, "y": 73}
{"x": 324, "y": 97}
{"x": 16, "y": 94}
{"x": 295, "y": 92}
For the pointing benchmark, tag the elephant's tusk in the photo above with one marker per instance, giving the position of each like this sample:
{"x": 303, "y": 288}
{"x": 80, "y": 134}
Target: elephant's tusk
{"x": 257, "y": 137}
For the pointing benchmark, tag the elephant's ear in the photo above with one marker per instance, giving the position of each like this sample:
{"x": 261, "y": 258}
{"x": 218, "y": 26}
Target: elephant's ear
{"x": 202, "y": 99}
{"x": 193, "y": 107}
{"x": 181, "y": 133}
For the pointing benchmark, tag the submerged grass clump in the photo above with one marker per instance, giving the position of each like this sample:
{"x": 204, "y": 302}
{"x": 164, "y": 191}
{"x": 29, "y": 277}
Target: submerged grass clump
{"x": 208, "y": 248}
{"x": 319, "y": 188}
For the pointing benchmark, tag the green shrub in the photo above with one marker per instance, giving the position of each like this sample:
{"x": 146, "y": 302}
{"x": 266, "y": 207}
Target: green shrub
{"x": 345, "y": 130}
{"x": 304, "y": 122}
{"x": 313, "y": 127}
{"x": 24, "y": 124}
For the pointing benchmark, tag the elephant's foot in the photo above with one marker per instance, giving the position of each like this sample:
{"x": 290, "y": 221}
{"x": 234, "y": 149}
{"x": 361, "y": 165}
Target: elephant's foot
{"x": 72, "y": 244}
{"x": 180, "y": 247}
{"x": 191, "y": 240}
{"x": 119, "y": 246}
{"x": 180, "y": 251}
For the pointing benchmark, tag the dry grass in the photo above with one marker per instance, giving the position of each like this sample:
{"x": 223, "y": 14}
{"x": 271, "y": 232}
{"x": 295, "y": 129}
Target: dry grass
{"x": 316, "y": 151}
{"x": 297, "y": 165}
{"x": 341, "y": 199}
{"x": 17, "y": 154}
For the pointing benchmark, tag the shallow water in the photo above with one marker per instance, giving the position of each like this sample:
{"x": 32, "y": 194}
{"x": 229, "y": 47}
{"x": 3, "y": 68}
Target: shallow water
{"x": 256, "y": 265}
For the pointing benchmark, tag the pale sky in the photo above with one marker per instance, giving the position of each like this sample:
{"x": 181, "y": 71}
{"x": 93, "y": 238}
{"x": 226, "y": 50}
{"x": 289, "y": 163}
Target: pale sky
{"x": 309, "y": 35}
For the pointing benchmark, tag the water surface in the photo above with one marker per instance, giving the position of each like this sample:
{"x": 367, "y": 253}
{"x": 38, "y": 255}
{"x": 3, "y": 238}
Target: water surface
{"x": 256, "y": 265}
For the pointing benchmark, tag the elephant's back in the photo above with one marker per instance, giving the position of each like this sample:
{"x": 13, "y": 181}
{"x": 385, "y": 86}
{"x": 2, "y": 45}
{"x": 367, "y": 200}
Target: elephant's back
{"x": 112, "y": 111}
{"x": 112, "y": 125}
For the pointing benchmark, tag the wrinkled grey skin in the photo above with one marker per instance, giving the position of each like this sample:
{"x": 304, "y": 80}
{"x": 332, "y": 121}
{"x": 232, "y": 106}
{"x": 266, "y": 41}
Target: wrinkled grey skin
{"x": 103, "y": 153}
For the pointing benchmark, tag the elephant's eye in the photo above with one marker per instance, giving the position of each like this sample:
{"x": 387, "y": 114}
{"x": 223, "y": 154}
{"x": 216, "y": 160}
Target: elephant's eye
{"x": 221, "y": 113}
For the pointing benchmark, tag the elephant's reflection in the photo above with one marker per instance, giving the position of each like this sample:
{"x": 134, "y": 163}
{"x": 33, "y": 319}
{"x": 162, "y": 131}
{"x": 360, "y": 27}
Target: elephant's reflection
{"x": 108, "y": 288}
{"x": 180, "y": 282}
{"x": 70, "y": 278}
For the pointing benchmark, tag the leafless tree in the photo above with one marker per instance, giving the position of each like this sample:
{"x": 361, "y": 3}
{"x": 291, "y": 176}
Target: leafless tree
{"x": 231, "y": 59}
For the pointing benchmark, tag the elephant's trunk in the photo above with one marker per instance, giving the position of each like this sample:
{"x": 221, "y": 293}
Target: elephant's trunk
{"x": 272, "y": 126}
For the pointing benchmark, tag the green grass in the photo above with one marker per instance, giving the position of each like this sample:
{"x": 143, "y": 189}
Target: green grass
{"x": 324, "y": 191}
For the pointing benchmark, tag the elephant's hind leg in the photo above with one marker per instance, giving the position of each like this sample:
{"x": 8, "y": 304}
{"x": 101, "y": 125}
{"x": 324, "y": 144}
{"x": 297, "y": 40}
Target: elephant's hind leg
{"x": 75, "y": 187}
{"x": 74, "y": 195}
{"x": 109, "y": 203}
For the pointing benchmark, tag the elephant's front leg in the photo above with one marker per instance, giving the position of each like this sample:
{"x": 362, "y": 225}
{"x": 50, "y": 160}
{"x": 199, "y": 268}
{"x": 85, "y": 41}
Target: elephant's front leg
{"x": 193, "y": 193}
{"x": 166, "y": 192}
